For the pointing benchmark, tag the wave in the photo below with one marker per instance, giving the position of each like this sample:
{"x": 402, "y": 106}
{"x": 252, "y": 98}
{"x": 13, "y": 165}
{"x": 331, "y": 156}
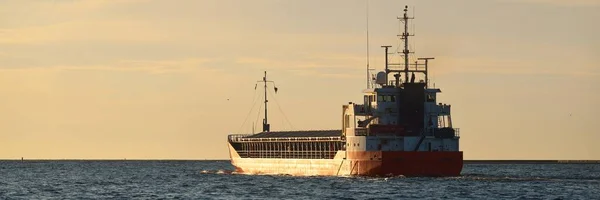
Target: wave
{"x": 522, "y": 178}
{"x": 219, "y": 171}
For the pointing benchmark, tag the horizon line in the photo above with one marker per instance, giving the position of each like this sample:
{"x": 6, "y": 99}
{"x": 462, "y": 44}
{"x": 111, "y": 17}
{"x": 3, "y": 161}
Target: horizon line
{"x": 175, "y": 159}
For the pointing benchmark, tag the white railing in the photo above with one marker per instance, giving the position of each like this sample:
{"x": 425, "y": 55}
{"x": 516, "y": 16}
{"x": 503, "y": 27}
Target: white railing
{"x": 236, "y": 137}
{"x": 286, "y": 139}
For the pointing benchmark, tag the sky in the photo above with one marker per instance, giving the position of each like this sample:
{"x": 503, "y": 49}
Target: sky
{"x": 158, "y": 79}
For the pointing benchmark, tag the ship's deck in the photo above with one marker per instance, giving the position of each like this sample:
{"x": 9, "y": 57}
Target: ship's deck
{"x": 309, "y": 144}
{"x": 308, "y": 133}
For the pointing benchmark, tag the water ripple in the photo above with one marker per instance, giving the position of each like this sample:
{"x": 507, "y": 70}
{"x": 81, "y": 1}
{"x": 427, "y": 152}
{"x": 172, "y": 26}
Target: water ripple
{"x": 216, "y": 180}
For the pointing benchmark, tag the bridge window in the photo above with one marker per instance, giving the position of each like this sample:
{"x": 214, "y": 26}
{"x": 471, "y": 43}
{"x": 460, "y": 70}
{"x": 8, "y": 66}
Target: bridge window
{"x": 430, "y": 98}
{"x": 386, "y": 98}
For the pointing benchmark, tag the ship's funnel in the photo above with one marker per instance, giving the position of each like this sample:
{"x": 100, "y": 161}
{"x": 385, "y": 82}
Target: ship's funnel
{"x": 381, "y": 78}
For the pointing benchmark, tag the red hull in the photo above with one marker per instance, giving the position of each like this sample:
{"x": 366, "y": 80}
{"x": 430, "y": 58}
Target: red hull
{"x": 406, "y": 163}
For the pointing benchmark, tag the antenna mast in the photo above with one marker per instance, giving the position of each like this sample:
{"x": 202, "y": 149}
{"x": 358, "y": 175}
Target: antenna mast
{"x": 368, "y": 69}
{"x": 404, "y": 19}
{"x": 266, "y": 125}
{"x": 265, "y": 121}
{"x": 404, "y": 37}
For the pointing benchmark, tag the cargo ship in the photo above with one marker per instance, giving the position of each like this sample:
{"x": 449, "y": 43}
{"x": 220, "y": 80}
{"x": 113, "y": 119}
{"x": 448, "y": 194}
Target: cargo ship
{"x": 399, "y": 129}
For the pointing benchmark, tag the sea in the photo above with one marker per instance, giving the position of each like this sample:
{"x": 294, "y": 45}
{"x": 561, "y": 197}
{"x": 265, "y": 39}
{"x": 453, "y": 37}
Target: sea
{"x": 128, "y": 179}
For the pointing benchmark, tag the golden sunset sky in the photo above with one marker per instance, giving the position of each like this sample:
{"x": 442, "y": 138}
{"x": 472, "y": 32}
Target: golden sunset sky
{"x": 151, "y": 79}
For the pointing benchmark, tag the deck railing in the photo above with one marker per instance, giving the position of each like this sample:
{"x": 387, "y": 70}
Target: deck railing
{"x": 283, "y": 139}
{"x": 236, "y": 137}
{"x": 288, "y": 154}
{"x": 322, "y": 149}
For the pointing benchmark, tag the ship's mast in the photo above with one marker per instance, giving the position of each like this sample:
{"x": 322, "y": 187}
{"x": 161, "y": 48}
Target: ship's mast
{"x": 404, "y": 19}
{"x": 266, "y": 126}
{"x": 418, "y": 67}
{"x": 368, "y": 69}
{"x": 387, "y": 70}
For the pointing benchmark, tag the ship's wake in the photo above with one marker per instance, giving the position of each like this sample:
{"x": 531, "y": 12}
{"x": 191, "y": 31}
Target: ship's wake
{"x": 234, "y": 172}
{"x": 219, "y": 171}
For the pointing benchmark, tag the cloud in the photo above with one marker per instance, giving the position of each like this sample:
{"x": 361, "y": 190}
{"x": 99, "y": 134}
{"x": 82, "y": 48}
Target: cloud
{"x": 494, "y": 65}
{"x": 89, "y": 4}
{"x": 503, "y": 55}
{"x": 122, "y": 31}
{"x": 65, "y": 7}
{"x": 147, "y": 66}
{"x": 328, "y": 65}
{"x": 562, "y": 2}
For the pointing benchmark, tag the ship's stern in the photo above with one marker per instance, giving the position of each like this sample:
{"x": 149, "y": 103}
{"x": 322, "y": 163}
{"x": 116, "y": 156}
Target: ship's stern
{"x": 406, "y": 163}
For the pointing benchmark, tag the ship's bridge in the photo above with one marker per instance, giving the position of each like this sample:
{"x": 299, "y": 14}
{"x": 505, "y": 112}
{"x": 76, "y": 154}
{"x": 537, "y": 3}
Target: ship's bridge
{"x": 402, "y": 105}
{"x": 369, "y": 103}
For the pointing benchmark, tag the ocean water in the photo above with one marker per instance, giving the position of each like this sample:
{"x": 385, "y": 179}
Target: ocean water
{"x": 214, "y": 180}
